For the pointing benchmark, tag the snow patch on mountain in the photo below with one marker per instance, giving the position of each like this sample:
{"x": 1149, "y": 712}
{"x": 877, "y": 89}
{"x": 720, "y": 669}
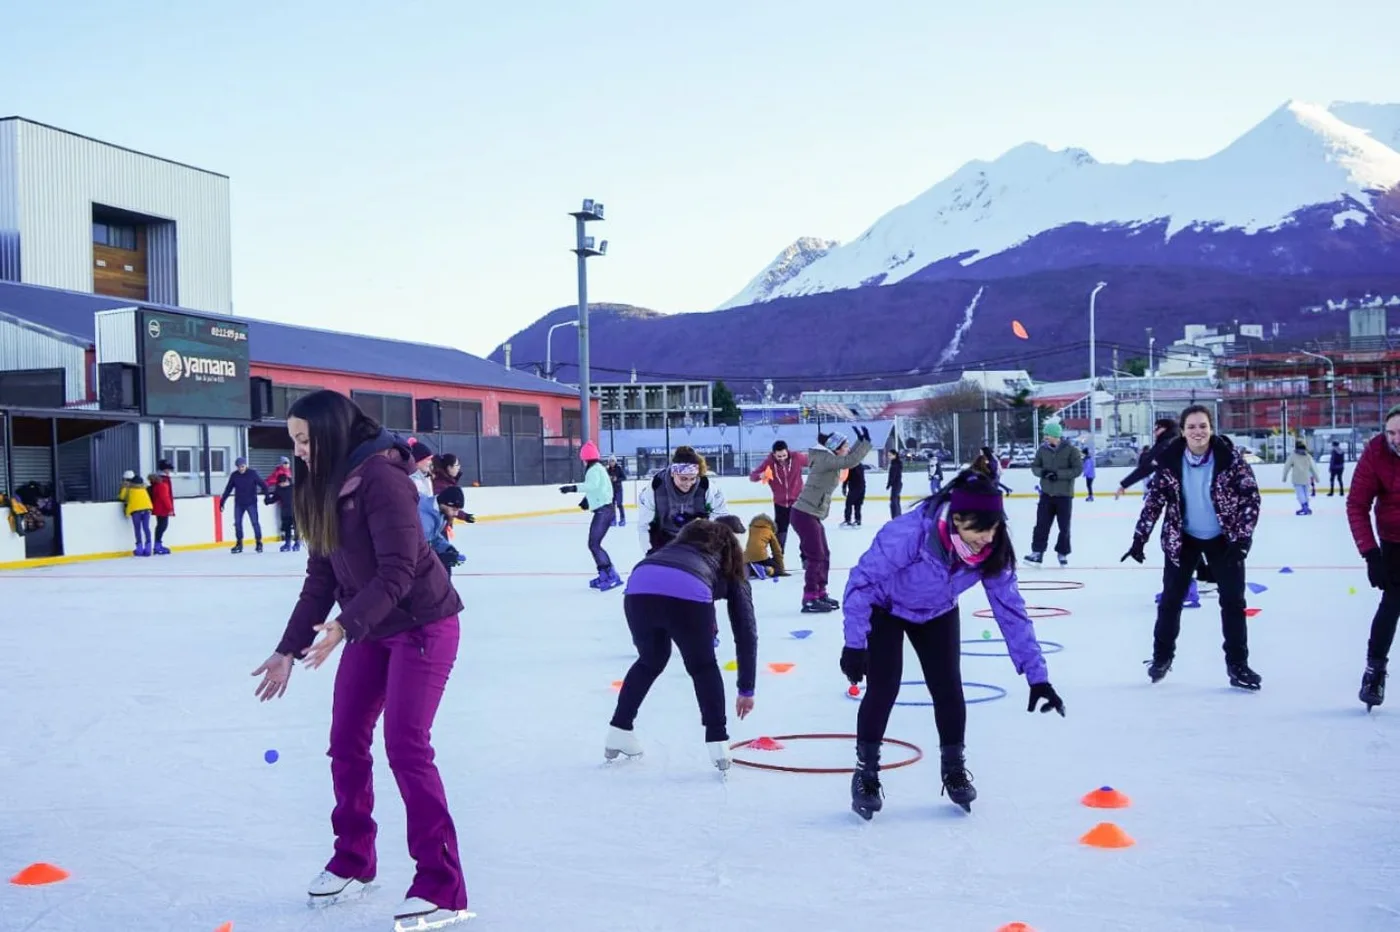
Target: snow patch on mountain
{"x": 788, "y": 265}
{"x": 1382, "y": 121}
{"x": 1341, "y": 219}
{"x": 1300, "y": 156}
{"x": 950, "y": 352}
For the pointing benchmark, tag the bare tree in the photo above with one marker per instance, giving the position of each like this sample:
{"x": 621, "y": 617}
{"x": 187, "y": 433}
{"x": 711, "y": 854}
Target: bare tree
{"x": 936, "y": 420}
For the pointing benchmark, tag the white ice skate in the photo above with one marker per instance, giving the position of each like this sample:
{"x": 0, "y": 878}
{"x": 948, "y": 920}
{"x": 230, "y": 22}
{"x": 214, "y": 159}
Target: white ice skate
{"x": 622, "y": 743}
{"x": 719, "y": 755}
{"x": 418, "y": 915}
{"x": 327, "y": 889}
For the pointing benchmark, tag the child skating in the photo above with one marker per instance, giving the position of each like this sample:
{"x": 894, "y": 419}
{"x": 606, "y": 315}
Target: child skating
{"x": 598, "y": 499}
{"x": 138, "y": 508}
{"x": 1302, "y": 471}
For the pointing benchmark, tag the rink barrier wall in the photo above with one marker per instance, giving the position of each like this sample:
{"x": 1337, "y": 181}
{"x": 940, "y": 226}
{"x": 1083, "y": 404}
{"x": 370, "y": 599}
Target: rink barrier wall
{"x": 101, "y": 530}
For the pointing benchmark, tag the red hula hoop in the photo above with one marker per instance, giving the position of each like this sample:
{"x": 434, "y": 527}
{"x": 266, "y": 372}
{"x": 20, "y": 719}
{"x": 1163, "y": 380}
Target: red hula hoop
{"x": 1045, "y": 611}
{"x": 918, "y": 754}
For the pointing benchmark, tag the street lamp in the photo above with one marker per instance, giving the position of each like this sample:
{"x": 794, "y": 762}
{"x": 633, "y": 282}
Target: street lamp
{"x": 549, "y": 348}
{"x": 1331, "y": 382}
{"x": 585, "y": 249}
{"x": 1151, "y": 379}
{"x": 1093, "y": 413}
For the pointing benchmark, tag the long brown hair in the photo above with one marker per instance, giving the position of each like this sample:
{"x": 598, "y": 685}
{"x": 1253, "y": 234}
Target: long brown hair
{"x": 335, "y": 426}
{"x": 718, "y": 541}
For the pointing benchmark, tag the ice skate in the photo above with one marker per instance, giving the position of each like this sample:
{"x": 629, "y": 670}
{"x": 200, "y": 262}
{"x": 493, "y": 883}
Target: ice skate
{"x": 328, "y": 889}
{"x": 285, "y": 548}
{"x": 1035, "y": 559}
{"x": 867, "y": 795}
{"x": 829, "y": 601}
{"x": 957, "y": 782}
{"x": 1064, "y": 560}
{"x": 1373, "y": 684}
{"x": 719, "y": 755}
{"x": 1242, "y": 677}
{"x": 621, "y": 743}
{"x": 161, "y": 550}
{"x": 1156, "y": 669}
{"x": 237, "y": 548}
{"x": 418, "y": 915}
{"x": 258, "y": 547}
{"x": 816, "y": 606}
{"x": 608, "y": 579}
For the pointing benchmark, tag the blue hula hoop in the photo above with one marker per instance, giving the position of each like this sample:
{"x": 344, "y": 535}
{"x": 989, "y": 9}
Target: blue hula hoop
{"x": 1046, "y": 647}
{"x": 997, "y": 693}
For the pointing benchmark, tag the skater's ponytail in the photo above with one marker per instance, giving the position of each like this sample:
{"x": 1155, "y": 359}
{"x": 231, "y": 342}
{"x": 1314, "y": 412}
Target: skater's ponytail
{"x": 335, "y": 426}
{"x": 718, "y": 541}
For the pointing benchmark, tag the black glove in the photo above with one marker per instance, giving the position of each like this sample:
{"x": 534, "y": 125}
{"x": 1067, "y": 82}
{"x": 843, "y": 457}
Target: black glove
{"x": 1136, "y": 550}
{"x": 1050, "y": 476}
{"x": 566, "y": 489}
{"x": 583, "y": 504}
{"x": 1238, "y": 550}
{"x": 853, "y": 663}
{"x": 470, "y": 519}
{"x": 1052, "y": 699}
{"x": 863, "y": 433}
{"x": 1375, "y": 568}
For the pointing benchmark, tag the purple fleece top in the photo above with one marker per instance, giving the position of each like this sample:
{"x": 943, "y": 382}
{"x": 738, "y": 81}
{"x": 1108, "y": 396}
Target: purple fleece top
{"x": 652, "y": 579}
{"x": 908, "y": 572}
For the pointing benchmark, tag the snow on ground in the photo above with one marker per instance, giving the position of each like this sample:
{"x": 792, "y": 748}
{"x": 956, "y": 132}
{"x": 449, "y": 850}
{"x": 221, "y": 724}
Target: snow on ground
{"x": 132, "y": 755}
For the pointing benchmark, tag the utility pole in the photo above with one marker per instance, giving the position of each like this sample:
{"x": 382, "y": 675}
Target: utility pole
{"x": 1117, "y": 424}
{"x": 1093, "y": 406}
{"x": 584, "y": 248}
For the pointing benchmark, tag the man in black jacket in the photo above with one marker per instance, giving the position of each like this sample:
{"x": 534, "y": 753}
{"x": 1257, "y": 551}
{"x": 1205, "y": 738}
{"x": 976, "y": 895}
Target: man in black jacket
{"x": 1336, "y": 465}
{"x": 245, "y": 485}
{"x": 894, "y": 481}
{"x": 1163, "y": 433}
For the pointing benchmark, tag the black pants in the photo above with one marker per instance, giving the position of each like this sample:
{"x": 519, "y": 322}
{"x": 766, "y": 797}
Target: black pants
{"x": 783, "y": 516}
{"x": 896, "y": 509}
{"x": 1057, "y": 508}
{"x": 617, "y": 500}
{"x": 1334, "y": 482}
{"x": 251, "y": 510}
{"x": 1089, "y": 485}
{"x": 1229, "y": 582}
{"x": 597, "y": 530}
{"x": 162, "y": 523}
{"x": 854, "y": 501}
{"x": 936, "y": 645}
{"x": 1383, "y": 624}
{"x": 656, "y": 621}
{"x": 289, "y": 528}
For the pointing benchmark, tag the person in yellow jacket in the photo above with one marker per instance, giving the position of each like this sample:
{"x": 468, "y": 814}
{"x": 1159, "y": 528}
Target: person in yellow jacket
{"x": 138, "y": 508}
{"x": 764, "y": 552}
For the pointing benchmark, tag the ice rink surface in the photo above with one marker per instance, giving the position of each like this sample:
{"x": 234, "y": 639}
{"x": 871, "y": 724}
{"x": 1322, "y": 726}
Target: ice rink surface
{"x": 132, "y": 755}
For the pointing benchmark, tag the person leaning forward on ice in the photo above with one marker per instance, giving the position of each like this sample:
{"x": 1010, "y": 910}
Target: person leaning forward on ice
{"x": 676, "y": 496}
{"x": 1208, "y": 500}
{"x": 825, "y": 463}
{"x": 908, "y": 584}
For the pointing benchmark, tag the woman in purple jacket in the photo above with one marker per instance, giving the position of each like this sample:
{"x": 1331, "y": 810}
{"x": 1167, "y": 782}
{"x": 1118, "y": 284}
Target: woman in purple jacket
{"x": 357, "y": 511}
{"x": 908, "y": 583}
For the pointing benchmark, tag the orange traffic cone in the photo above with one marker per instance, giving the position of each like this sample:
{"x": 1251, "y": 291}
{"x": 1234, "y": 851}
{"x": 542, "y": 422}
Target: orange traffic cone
{"x": 781, "y": 667}
{"x": 36, "y": 875}
{"x": 1015, "y": 927}
{"x": 1106, "y": 797}
{"x": 1106, "y": 835}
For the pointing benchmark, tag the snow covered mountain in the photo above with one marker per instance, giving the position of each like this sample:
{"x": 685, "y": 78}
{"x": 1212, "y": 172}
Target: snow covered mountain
{"x": 780, "y": 271}
{"x": 1310, "y": 189}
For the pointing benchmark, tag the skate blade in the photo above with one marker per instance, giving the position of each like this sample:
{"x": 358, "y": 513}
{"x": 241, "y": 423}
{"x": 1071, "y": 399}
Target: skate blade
{"x": 613, "y": 754}
{"x": 426, "y": 924}
{"x": 866, "y": 814}
{"x": 354, "y": 891}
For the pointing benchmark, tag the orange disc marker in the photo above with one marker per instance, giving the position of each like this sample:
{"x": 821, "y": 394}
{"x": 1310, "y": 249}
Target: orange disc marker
{"x": 765, "y": 744}
{"x": 1106, "y": 835}
{"x": 36, "y": 875}
{"x": 226, "y": 927}
{"x": 781, "y": 667}
{"x": 616, "y": 685}
{"x": 1015, "y": 927}
{"x": 1106, "y": 797}
{"x": 1251, "y": 612}
{"x": 1019, "y": 330}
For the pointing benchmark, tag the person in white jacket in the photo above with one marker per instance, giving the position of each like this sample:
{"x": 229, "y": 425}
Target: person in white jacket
{"x": 597, "y": 498}
{"x": 676, "y": 496}
{"x": 1303, "y": 471}
{"x": 423, "y": 459}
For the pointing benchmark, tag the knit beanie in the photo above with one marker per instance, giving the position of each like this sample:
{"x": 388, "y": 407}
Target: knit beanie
{"x": 834, "y": 441}
{"x": 1054, "y": 429}
{"x": 589, "y": 452}
{"x": 978, "y": 495}
{"x": 452, "y": 497}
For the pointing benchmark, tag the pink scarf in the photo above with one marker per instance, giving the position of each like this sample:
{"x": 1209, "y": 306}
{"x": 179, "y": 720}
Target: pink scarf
{"x": 952, "y": 539}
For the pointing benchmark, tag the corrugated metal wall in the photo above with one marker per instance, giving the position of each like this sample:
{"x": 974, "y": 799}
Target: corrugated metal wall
{"x": 61, "y": 175}
{"x": 9, "y": 201}
{"x": 162, "y": 264}
{"x": 24, "y": 346}
{"x": 116, "y": 337}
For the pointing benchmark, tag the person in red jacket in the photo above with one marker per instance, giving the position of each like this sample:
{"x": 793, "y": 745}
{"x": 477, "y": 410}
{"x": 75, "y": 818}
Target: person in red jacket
{"x": 357, "y": 513}
{"x": 1375, "y": 488}
{"x": 162, "y": 503}
{"x": 784, "y": 468}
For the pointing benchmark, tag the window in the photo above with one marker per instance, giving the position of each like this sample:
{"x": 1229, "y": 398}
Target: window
{"x": 184, "y": 460}
{"x": 117, "y": 236}
{"x": 461, "y": 417}
{"x": 573, "y": 424}
{"x": 520, "y": 419}
{"x": 284, "y": 396}
{"x": 392, "y": 411}
{"x": 181, "y": 458}
{"x": 216, "y": 461}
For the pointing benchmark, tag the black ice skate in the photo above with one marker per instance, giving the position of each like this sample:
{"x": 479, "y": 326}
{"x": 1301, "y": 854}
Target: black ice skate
{"x": 1243, "y": 677}
{"x": 1373, "y": 684}
{"x": 867, "y": 796}
{"x": 957, "y": 782}
{"x": 816, "y": 606}
{"x": 830, "y": 601}
{"x": 237, "y": 548}
{"x": 1035, "y": 558}
{"x": 1156, "y": 669}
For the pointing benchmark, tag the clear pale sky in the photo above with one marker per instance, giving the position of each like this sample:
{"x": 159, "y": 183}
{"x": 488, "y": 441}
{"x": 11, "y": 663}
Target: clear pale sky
{"x": 405, "y": 169}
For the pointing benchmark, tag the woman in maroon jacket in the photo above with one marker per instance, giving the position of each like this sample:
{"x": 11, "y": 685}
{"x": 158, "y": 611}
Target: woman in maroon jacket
{"x": 1376, "y": 487}
{"x": 357, "y": 511}
{"x": 784, "y": 468}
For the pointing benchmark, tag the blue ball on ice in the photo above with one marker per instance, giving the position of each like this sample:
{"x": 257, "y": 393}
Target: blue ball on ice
{"x": 270, "y": 757}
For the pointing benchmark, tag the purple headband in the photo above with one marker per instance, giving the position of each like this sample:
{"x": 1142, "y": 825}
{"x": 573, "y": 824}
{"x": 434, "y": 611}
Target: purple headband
{"x": 964, "y": 500}
{"x": 685, "y": 469}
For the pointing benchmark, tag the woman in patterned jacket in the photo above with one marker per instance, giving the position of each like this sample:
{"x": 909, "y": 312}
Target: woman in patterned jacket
{"x": 1208, "y": 500}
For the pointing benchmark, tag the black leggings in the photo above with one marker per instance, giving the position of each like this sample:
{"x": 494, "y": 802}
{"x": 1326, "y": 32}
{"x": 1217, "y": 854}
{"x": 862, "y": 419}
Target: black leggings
{"x": 936, "y": 643}
{"x": 597, "y": 530}
{"x": 656, "y": 621}
{"x": 1383, "y": 624}
{"x": 783, "y": 515}
{"x": 162, "y": 523}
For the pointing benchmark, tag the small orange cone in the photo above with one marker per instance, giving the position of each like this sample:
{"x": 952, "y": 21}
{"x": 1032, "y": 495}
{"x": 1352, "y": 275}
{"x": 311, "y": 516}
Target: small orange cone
{"x": 765, "y": 744}
{"x": 781, "y": 667}
{"x": 226, "y": 927}
{"x": 1015, "y": 927}
{"x": 1106, "y": 797}
{"x": 36, "y": 875}
{"x": 1106, "y": 835}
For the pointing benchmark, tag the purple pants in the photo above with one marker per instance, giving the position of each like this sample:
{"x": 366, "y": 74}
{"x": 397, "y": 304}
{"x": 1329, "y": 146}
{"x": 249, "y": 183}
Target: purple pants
{"x": 403, "y": 677}
{"x": 816, "y": 555}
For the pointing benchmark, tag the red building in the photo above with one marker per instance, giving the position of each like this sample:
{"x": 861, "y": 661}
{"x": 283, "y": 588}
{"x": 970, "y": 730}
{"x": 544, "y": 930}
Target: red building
{"x": 1306, "y": 390}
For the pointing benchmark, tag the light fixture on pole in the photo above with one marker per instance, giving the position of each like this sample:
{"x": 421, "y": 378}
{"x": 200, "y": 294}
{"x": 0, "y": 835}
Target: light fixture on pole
{"x": 1093, "y": 408}
{"x": 1151, "y": 380}
{"x": 585, "y": 249}
{"x": 1331, "y": 381}
{"x": 549, "y": 348}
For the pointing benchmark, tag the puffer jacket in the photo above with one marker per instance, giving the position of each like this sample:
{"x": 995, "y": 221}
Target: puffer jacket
{"x": 736, "y": 593}
{"x": 785, "y": 478}
{"x": 1233, "y": 491}
{"x": 763, "y": 543}
{"x": 824, "y": 475}
{"x": 909, "y": 573}
{"x": 1300, "y": 468}
{"x": 1375, "y": 486}
{"x": 1065, "y": 461}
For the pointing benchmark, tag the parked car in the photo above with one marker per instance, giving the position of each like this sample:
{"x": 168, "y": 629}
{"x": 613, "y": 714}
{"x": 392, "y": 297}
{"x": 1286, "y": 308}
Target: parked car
{"x": 1115, "y": 456}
